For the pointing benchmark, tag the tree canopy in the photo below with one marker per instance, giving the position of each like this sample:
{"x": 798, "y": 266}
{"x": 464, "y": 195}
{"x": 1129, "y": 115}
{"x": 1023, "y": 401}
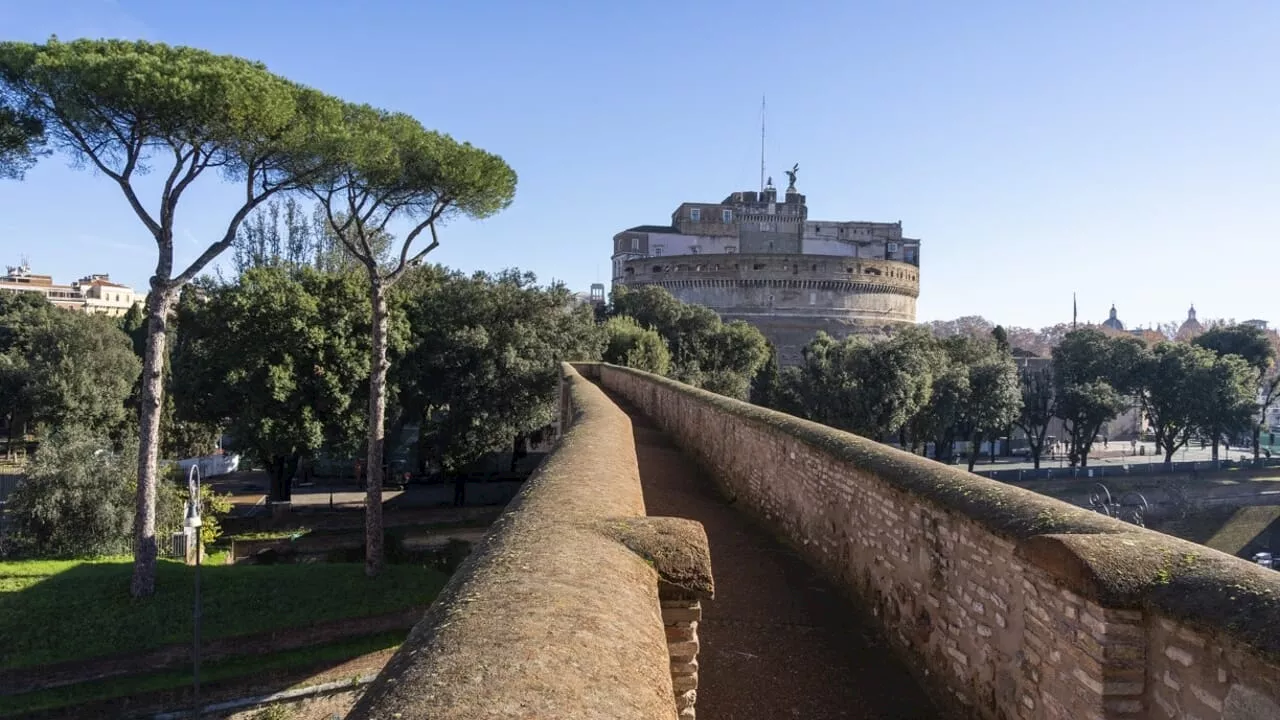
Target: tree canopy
{"x": 127, "y": 108}
{"x": 62, "y": 369}
{"x": 481, "y": 365}
{"x": 280, "y": 360}
{"x": 704, "y": 351}
{"x": 389, "y": 168}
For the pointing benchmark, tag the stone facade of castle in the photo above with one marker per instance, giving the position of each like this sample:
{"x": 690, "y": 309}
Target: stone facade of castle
{"x": 752, "y": 257}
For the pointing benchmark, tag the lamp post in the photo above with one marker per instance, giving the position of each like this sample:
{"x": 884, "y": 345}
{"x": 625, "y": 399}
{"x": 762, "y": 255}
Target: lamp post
{"x": 193, "y": 523}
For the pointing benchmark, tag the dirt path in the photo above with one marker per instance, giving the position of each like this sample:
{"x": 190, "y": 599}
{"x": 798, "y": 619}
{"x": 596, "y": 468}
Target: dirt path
{"x": 777, "y": 640}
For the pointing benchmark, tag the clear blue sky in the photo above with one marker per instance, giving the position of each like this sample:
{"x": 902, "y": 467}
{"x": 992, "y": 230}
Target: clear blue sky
{"x": 1128, "y": 151}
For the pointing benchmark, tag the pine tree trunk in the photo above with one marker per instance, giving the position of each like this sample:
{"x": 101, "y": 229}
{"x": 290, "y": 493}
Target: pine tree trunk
{"x": 373, "y": 560}
{"x": 145, "y": 549}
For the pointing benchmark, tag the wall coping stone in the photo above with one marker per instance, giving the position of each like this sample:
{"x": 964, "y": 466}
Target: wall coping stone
{"x": 556, "y": 613}
{"x": 1114, "y": 563}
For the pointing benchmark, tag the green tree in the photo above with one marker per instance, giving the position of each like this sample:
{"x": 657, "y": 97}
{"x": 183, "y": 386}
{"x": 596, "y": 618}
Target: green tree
{"x": 124, "y": 108}
{"x": 21, "y": 141}
{"x": 1230, "y": 390}
{"x": 628, "y": 344}
{"x": 1258, "y": 348}
{"x": 1176, "y": 388}
{"x": 77, "y": 498}
{"x": 1039, "y": 407}
{"x": 863, "y": 386}
{"x": 482, "y": 366}
{"x": 766, "y": 386}
{"x": 1088, "y": 368}
{"x": 63, "y": 369}
{"x": 285, "y": 234}
{"x": 281, "y": 359}
{"x": 993, "y": 403}
{"x": 389, "y": 168}
{"x": 941, "y": 417}
{"x": 705, "y": 352}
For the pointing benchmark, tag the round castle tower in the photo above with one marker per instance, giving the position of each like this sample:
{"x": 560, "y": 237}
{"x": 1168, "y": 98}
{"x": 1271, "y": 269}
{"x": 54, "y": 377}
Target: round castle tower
{"x": 753, "y": 258}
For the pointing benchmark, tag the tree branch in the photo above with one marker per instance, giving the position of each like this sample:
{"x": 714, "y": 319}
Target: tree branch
{"x": 228, "y": 237}
{"x": 122, "y": 178}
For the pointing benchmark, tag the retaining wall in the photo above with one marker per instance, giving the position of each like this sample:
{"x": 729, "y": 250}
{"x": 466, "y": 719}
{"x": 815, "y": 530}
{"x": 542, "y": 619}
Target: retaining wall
{"x": 1008, "y": 603}
{"x": 575, "y": 605}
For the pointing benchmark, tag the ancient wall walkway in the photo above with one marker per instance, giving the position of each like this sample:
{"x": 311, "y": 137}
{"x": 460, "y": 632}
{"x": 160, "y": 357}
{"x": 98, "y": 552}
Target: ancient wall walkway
{"x": 777, "y": 641}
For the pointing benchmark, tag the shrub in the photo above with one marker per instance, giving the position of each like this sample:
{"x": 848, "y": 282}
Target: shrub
{"x": 636, "y": 347}
{"x": 78, "y": 497}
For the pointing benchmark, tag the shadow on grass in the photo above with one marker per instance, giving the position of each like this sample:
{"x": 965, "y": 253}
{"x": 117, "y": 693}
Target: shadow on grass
{"x": 60, "y": 611}
{"x": 1239, "y": 531}
{"x": 223, "y": 680}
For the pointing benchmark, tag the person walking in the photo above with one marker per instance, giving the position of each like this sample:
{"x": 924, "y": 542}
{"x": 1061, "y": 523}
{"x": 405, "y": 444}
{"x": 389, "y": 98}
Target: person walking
{"x": 459, "y": 490}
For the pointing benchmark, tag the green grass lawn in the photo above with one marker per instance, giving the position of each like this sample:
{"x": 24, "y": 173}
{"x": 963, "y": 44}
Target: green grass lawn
{"x": 221, "y": 670}
{"x": 54, "y": 611}
{"x": 1226, "y": 528}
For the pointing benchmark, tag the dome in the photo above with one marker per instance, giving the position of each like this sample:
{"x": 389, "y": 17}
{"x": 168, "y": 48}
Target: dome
{"x": 1113, "y": 322}
{"x": 1191, "y": 327}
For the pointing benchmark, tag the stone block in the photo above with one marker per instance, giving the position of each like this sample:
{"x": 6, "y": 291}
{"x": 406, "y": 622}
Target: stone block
{"x": 684, "y": 683}
{"x": 688, "y": 614}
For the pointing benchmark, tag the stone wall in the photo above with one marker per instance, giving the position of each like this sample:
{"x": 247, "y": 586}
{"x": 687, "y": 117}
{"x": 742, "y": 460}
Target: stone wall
{"x": 790, "y": 297}
{"x": 564, "y": 610}
{"x": 1009, "y": 604}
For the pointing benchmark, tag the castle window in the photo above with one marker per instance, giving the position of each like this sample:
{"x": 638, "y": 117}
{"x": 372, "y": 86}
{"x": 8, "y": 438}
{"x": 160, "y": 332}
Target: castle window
{"x": 657, "y": 249}
{"x": 730, "y": 249}
{"x": 758, "y": 266}
{"x": 813, "y": 298}
{"x": 635, "y": 243}
{"x": 657, "y": 268}
{"x": 695, "y": 214}
{"x": 695, "y": 249}
{"x": 727, "y": 216}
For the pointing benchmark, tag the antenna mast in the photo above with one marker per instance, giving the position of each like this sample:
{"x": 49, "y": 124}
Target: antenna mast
{"x": 762, "y": 143}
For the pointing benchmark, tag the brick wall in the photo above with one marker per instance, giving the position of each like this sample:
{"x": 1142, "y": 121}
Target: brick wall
{"x": 1009, "y": 604}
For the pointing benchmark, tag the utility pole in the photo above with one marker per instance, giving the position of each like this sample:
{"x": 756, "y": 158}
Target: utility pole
{"x": 762, "y": 97}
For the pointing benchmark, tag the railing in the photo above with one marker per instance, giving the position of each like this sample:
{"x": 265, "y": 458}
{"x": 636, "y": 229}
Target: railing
{"x": 1131, "y": 507}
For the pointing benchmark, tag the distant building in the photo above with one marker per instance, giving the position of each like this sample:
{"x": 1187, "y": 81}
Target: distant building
{"x": 92, "y": 294}
{"x": 1260, "y": 324}
{"x": 1113, "y": 322}
{"x": 1190, "y": 328}
{"x": 753, "y": 258}
{"x": 597, "y": 297}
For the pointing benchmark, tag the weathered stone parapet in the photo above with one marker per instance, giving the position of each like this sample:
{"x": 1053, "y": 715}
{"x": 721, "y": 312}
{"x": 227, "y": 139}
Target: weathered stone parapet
{"x": 677, "y": 549}
{"x": 558, "y": 612}
{"x": 681, "y": 614}
{"x": 1009, "y": 604}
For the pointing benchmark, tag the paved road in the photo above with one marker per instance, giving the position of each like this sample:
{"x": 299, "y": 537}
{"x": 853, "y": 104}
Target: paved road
{"x": 777, "y": 640}
{"x": 1117, "y": 453}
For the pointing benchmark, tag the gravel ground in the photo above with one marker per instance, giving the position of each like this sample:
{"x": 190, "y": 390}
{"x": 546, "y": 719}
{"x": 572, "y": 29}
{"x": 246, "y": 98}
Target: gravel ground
{"x": 777, "y": 640}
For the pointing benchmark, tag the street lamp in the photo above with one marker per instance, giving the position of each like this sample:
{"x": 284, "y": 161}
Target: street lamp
{"x": 193, "y": 522}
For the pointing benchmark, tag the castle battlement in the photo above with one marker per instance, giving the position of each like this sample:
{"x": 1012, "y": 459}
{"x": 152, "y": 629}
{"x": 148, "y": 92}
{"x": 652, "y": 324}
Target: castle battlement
{"x": 753, "y": 258}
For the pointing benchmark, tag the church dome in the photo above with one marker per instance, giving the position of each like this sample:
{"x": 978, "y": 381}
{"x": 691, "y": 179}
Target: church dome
{"x": 1191, "y": 327}
{"x": 1113, "y": 322}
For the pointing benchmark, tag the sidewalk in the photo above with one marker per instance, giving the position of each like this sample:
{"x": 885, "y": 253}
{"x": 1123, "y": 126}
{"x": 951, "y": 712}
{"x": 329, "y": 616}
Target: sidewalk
{"x": 777, "y": 641}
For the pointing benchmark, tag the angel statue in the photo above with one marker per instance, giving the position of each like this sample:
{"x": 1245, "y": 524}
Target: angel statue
{"x": 791, "y": 174}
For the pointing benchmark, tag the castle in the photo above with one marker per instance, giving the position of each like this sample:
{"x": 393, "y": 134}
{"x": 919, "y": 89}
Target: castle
{"x": 753, "y": 258}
